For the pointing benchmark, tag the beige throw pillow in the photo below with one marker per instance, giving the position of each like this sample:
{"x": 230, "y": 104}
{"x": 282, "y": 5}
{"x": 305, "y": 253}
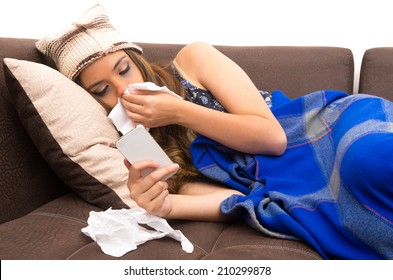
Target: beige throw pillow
{"x": 71, "y": 131}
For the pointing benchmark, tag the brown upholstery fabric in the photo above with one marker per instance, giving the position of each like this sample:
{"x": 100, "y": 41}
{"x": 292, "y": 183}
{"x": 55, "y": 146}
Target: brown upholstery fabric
{"x": 376, "y": 75}
{"x": 26, "y": 180}
{"x": 54, "y": 232}
{"x": 294, "y": 70}
{"x": 71, "y": 130}
{"x": 42, "y": 219}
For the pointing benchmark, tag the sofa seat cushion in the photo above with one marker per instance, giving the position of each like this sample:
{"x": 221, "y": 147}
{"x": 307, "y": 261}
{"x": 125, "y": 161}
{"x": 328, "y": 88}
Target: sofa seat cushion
{"x": 212, "y": 241}
{"x": 53, "y": 231}
{"x": 241, "y": 242}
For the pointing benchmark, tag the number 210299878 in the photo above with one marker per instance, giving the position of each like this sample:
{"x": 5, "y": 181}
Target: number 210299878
{"x": 244, "y": 270}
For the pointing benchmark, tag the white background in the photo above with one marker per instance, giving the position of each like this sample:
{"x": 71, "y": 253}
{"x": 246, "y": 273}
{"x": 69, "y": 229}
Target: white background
{"x": 114, "y": 270}
{"x": 357, "y": 25}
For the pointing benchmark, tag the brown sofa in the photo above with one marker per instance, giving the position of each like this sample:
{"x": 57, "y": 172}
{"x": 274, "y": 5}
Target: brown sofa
{"x": 376, "y": 72}
{"x": 41, "y": 218}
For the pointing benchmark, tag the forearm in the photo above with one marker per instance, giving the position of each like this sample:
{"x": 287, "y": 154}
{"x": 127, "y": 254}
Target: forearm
{"x": 250, "y": 126}
{"x": 245, "y": 133}
{"x": 204, "y": 207}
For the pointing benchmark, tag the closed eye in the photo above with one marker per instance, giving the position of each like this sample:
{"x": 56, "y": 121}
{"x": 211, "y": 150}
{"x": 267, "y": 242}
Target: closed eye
{"x": 125, "y": 70}
{"x": 102, "y": 92}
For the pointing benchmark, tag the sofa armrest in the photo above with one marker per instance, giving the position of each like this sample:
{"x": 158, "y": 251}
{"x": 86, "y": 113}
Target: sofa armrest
{"x": 26, "y": 181}
{"x": 376, "y": 74}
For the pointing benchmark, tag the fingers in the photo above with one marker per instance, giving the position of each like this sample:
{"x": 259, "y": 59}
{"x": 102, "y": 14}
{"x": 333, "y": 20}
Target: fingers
{"x": 139, "y": 184}
{"x": 136, "y": 98}
{"x": 151, "y": 192}
{"x": 137, "y": 168}
{"x": 152, "y": 196}
{"x": 127, "y": 163}
{"x": 134, "y": 108}
{"x": 135, "y": 93}
{"x": 160, "y": 205}
{"x": 151, "y": 109}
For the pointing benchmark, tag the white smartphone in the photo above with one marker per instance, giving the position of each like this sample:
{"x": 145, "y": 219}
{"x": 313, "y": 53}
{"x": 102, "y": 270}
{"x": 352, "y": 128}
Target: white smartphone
{"x": 138, "y": 144}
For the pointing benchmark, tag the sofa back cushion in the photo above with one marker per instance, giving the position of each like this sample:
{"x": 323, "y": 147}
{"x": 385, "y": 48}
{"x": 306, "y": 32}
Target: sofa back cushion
{"x": 291, "y": 69}
{"x": 26, "y": 180}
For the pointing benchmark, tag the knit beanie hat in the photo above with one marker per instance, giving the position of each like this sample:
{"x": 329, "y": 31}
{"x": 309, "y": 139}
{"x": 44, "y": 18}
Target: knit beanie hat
{"x": 89, "y": 38}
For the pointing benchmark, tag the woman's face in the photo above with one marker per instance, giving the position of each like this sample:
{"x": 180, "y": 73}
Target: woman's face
{"x": 108, "y": 77}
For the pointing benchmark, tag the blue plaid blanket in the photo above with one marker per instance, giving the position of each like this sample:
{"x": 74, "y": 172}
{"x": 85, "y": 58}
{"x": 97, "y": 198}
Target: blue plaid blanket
{"x": 332, "y": 188}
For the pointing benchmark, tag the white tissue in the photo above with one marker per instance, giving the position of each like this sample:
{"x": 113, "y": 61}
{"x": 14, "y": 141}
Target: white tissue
{"x": 118, "y": 231}
{"x": 118, "y": 114}
{"x": 149, "y": 86}
{"x": 119, "y": 118}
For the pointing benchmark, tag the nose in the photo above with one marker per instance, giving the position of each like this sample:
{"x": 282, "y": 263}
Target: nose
{"x": 120, "y": 86}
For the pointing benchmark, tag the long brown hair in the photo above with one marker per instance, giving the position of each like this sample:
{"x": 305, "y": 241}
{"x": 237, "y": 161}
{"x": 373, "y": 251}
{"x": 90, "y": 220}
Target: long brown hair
{"x": 174, "y": 139}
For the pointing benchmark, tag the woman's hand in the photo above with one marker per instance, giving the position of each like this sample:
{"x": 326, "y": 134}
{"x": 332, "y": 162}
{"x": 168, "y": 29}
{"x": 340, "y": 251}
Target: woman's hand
{"x": 150, "y": 192}
{"x": 151, "y": 108}
{"x": 196, "y": 201}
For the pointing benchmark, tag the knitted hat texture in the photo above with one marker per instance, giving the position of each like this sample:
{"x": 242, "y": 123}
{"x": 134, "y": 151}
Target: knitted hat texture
{"x": 89, "y": 38}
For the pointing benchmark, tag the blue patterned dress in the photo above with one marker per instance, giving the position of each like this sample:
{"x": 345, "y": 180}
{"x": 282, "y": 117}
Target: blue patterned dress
{"x": 204, "y": 97}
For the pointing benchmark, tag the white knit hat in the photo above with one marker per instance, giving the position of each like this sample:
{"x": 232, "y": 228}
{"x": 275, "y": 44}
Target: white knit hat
{"x": 88, "y": 39}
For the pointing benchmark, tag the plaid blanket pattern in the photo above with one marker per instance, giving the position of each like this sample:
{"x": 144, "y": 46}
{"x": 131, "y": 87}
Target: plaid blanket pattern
{"x": 332, "y": 188}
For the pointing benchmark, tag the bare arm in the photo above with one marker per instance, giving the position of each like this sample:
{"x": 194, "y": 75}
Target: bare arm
{"x": 196, "y": 201}
{"x": 200, "y": 201}
{"x": 250, "y": 125}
